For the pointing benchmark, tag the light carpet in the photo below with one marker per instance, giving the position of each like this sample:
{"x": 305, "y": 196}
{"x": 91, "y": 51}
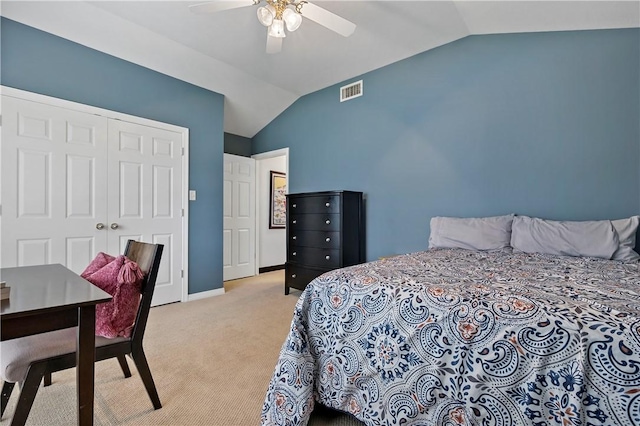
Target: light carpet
{"x": 211, "y": 360}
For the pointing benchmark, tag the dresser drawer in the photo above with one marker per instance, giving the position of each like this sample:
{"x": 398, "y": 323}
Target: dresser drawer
{"x": 324, "y": 258}
{"x": 313, "y": 222}
{"x": 319, "y": 204}
{"x": 319, "y": 239}
{"x": 299, "y": 276}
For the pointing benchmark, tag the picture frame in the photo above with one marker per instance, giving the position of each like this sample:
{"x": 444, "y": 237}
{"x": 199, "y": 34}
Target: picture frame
{"x": 278, "y": 200}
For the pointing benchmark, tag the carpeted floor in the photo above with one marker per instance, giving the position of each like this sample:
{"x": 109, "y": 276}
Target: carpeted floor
{"x": 211, "y": 359}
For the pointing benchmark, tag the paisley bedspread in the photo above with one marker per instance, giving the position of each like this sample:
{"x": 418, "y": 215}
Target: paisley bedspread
{"x": 457, "y": 337}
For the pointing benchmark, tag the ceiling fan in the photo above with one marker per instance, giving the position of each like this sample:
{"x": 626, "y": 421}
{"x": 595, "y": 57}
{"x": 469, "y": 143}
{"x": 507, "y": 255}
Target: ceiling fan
{"x": 277, "y": 15}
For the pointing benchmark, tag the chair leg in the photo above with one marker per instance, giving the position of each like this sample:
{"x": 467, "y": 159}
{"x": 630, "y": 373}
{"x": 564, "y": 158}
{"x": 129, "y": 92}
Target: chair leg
{"x": 7, "y": 388}
{"x": 145, "y": 374}
{"x": 47, "y": 379}
{"x": 124, "y": 366}
{"x": 28, "y": 393}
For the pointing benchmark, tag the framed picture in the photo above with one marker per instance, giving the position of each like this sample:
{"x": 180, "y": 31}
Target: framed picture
{"x": 278, "y": 200}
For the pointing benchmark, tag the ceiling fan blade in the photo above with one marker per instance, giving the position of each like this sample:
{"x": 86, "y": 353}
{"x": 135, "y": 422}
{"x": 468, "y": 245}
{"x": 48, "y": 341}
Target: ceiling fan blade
{"x": 218, "y": 6}
{"x": 274, "y": 44}
{"x": 327, "y": 19}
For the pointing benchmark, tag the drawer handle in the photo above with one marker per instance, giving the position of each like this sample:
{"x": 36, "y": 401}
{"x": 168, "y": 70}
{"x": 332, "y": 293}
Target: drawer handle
{"x": 328, "y": 239}
{"x": 328, "y": 204}
{"x": 294, "y": 238}
{"x": 294, "y": 253}
{"x": 295, "y": 221}
{"x": 294, "y": 205}
{"x": 327, "y": 257}
{"x": 293, "y": 275}
{"x": 327, "y": 221}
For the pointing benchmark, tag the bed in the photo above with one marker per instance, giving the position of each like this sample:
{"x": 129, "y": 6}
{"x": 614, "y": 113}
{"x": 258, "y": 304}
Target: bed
{"x": 459, "y": 336}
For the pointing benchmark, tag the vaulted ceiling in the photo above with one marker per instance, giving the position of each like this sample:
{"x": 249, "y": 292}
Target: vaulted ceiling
{"x": 225, "y": 51}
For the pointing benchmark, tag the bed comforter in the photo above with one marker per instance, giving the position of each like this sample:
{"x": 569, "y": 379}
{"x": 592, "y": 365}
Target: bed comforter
{"x": 457, "y": 337}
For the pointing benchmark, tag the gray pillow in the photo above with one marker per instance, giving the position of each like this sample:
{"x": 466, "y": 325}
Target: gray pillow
{"x": 475, "y": 233}
{"x": 566, "y": 238}
{"x": 626, "y": 229}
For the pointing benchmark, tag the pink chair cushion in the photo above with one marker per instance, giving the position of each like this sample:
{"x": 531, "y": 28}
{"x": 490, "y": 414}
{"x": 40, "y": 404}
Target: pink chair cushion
{"x": 121, "y": 278}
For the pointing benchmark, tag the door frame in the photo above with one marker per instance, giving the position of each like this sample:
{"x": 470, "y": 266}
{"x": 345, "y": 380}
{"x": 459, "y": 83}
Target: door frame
{"x": 284, "y": 152}
{"x": 75, "y": 106}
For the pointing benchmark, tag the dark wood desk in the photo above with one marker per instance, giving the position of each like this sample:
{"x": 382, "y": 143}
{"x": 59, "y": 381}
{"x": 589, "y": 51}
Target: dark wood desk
{"x": 51, "y": 297}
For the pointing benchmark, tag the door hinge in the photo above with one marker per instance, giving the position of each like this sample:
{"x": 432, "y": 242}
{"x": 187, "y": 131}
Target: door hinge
{"x": 182, "y": 150}
{"x": 182, "y": 212}
{"x": 182, "y": 273}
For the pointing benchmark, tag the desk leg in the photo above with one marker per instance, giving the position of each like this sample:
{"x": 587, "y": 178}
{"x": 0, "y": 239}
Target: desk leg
{"x": 85, "y": 361}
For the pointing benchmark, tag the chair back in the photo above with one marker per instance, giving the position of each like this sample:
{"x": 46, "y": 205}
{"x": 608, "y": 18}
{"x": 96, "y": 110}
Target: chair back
{"x": 148, "y": 257}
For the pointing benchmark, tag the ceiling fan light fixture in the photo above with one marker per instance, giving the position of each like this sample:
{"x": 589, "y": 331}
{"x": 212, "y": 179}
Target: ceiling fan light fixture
{"x": 292, "y": 19}
{"x": 277, "y": 29}
{"x": 280, "y": 16}
{"x": 265, "y": 16}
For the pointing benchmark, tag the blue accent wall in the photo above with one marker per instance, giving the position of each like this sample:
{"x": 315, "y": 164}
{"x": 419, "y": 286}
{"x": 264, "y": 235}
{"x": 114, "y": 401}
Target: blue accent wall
{"x": 541, "y": 124}
{"x": 39, "y": 62}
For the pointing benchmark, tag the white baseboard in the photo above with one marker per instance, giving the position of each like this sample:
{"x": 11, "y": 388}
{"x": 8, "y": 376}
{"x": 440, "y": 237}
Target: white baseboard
{"x": 205, "y": 294}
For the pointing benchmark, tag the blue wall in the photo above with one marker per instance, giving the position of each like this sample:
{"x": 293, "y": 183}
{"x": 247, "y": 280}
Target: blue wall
{"x": 543, "y": 124}
{"x": 237, "y": 145}
{"x": 39, "y": 62}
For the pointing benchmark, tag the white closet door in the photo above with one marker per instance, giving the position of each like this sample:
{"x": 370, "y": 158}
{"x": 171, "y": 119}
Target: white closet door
{"x": 75, "y": 183}
{"x": 54, "y": 179}
{"x": 145, "y": 197}
{"x": 239, "y": 228}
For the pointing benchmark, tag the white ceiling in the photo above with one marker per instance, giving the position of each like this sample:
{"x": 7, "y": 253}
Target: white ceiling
{"x": 225, "y": 51}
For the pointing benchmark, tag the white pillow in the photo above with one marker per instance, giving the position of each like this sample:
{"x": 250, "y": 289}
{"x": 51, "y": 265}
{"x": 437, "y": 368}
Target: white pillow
{"x": 566, "y": 238}
{"x": 626, "y": 229}
{"x": 479, "y": 233}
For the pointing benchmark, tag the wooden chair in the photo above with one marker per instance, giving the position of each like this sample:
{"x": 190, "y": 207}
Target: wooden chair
{"x": 43, "y": 354}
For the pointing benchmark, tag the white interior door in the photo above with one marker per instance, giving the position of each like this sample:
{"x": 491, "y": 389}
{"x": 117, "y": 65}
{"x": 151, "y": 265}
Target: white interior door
{"x": 76, "y": 183}
{"x": 53, "y": 185}
{"x": 145, "y": 197}
{"x": 239, "y": 234}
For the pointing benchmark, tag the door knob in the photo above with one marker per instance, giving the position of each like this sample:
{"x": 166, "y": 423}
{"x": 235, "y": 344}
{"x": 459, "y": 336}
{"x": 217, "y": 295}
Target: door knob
{"x": 99, "y": 225}
{"x": 328, "y": 222}
{"x": 328, "y": 239}
{"x": 114, "y": 225}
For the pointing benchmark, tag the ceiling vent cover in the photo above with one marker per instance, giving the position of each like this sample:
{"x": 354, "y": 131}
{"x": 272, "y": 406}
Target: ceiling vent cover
{"x": 351, "y": 91}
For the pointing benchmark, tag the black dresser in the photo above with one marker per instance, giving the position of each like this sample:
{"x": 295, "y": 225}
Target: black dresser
{"x": 325, "y": 231}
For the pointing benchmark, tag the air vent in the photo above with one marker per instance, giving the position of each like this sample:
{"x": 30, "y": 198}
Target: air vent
{"x": 351, "y": 91}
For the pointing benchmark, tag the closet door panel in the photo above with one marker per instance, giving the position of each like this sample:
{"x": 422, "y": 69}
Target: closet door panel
{"x": 145, "y": 196}
{"x": 54, "y": 176}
